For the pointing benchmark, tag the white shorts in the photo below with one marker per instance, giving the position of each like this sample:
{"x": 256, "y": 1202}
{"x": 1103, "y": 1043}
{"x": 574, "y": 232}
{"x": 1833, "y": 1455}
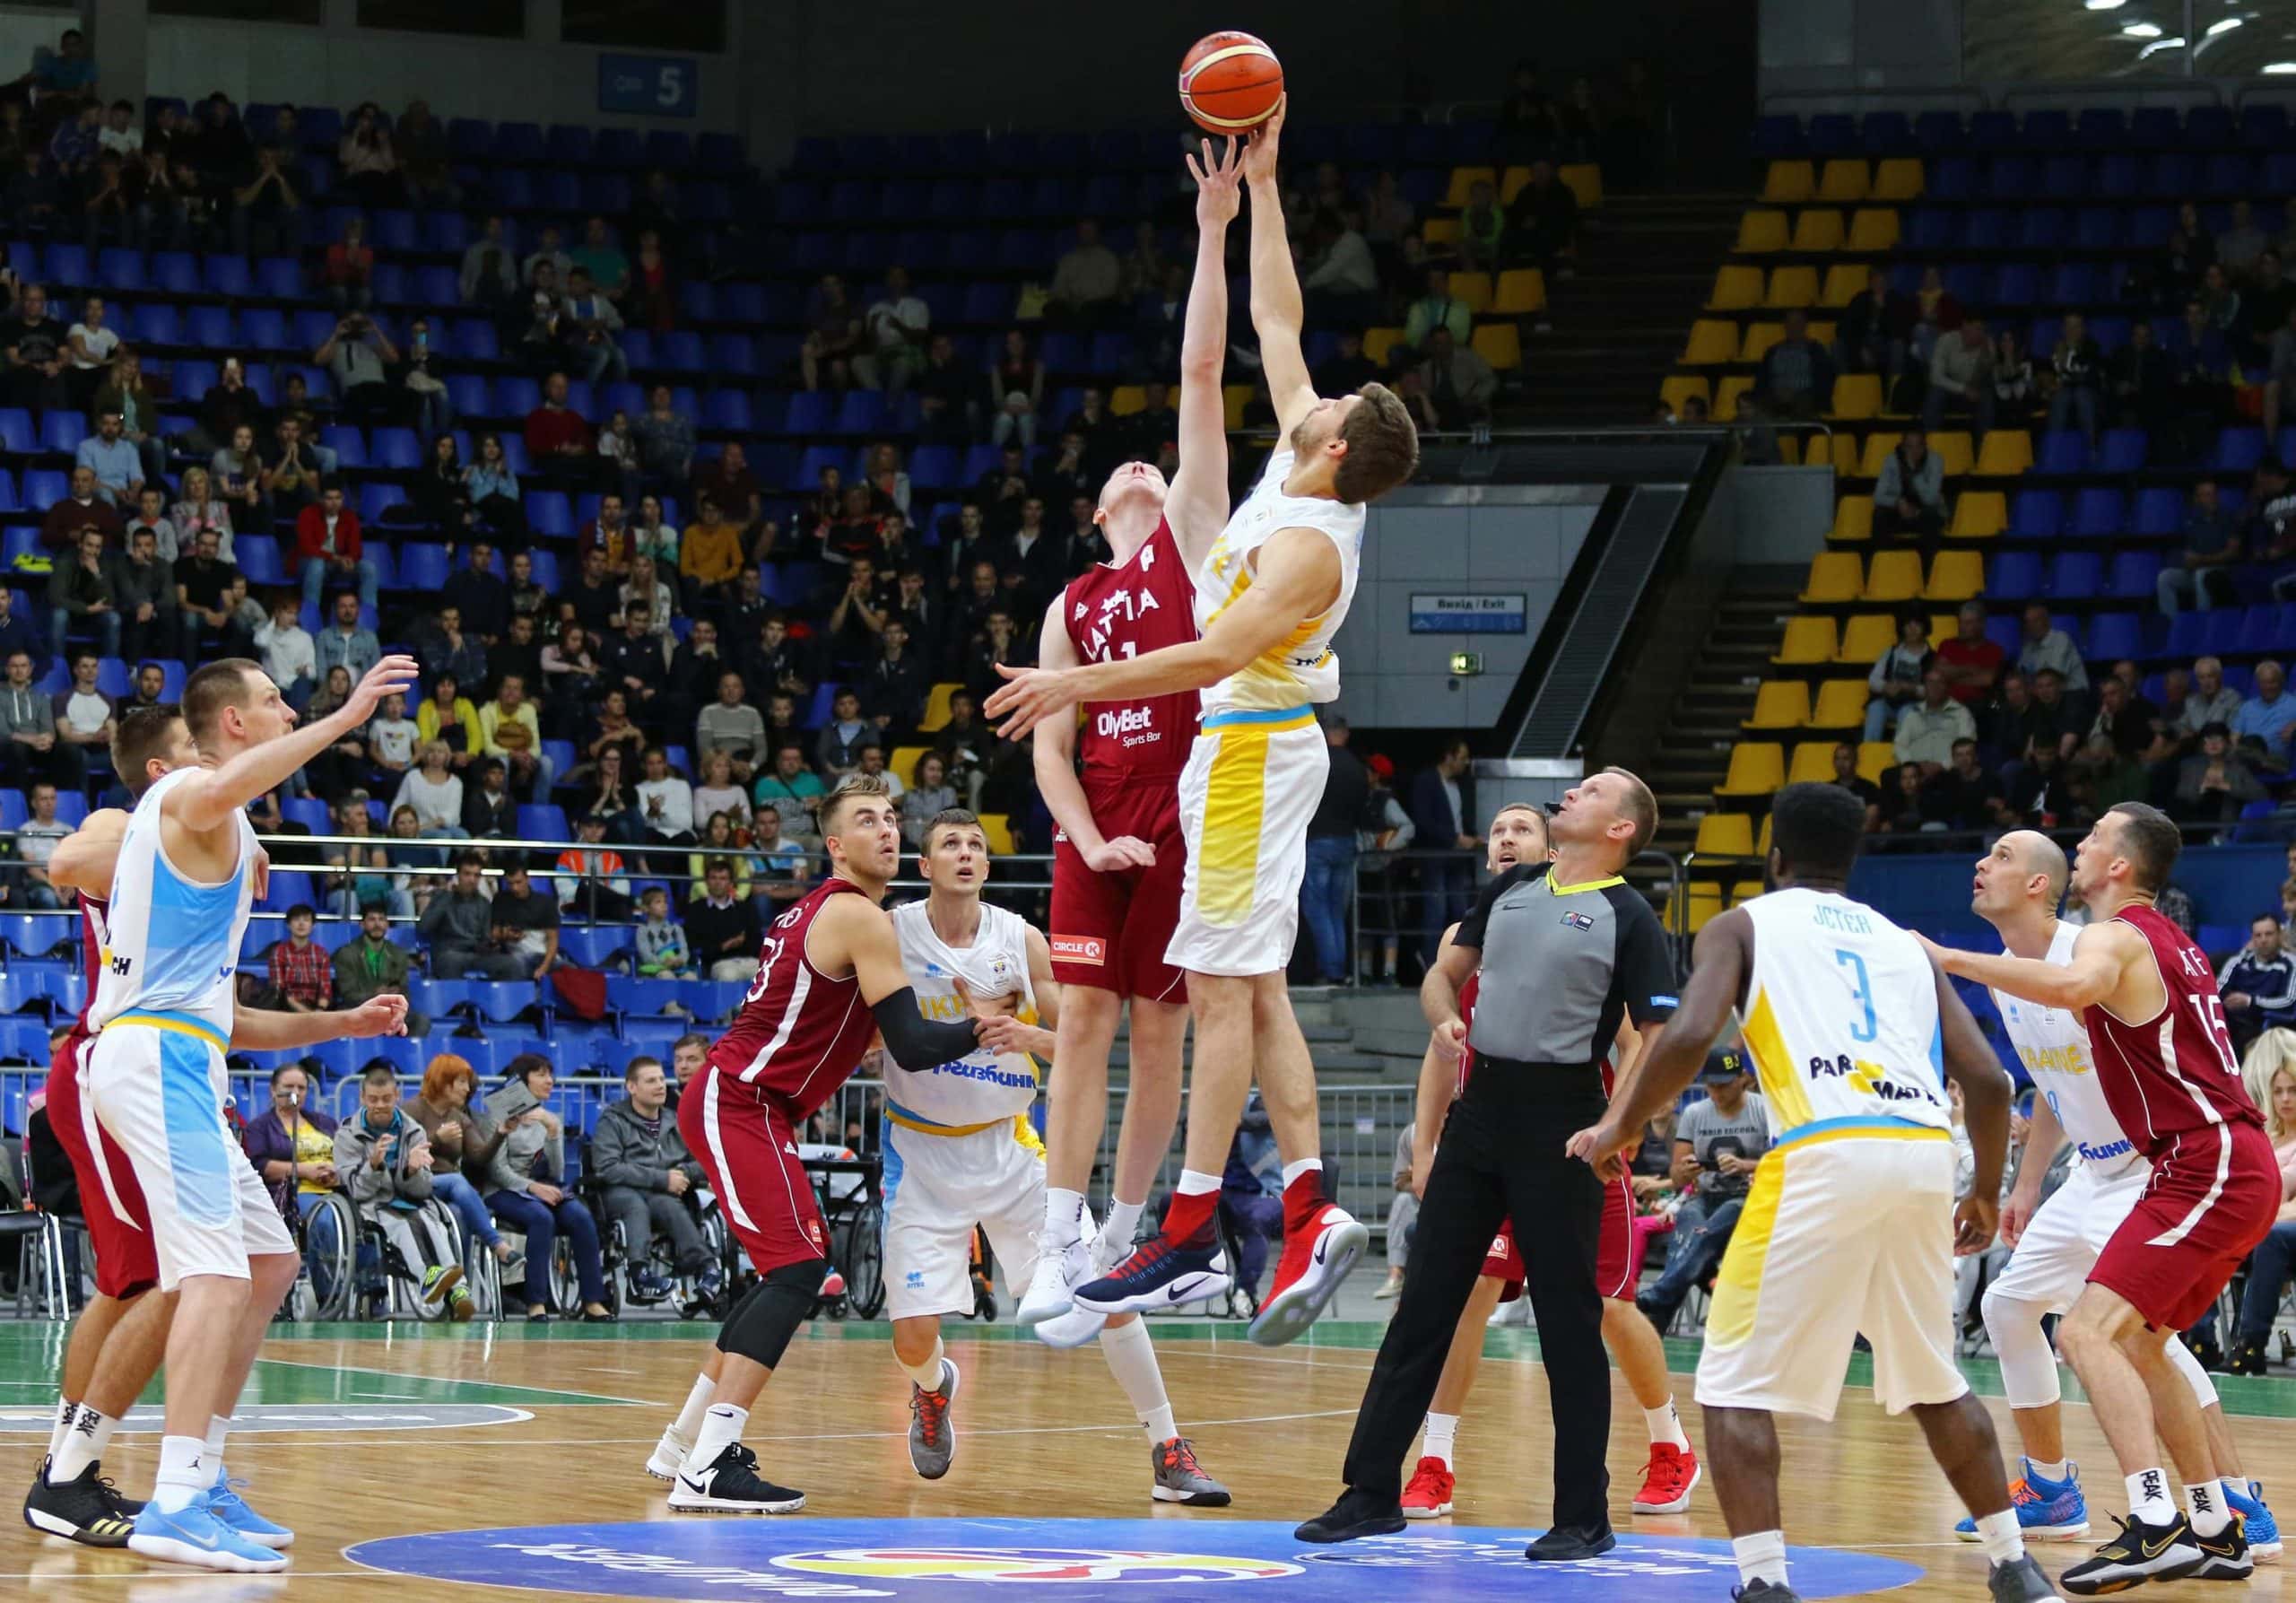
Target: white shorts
{"x": 2052, "y": 1259}
{"x": 936, "y": 1189}
{"x": 159, "y": 1089}
{"x": 1252, "y": 781}
{"x": 1838, "y": 1236}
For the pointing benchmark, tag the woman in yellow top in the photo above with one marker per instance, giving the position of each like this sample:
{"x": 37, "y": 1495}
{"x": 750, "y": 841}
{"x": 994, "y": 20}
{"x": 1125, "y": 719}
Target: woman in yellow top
{"x": 709, "y": 558}
{"x": 449, "y": 716}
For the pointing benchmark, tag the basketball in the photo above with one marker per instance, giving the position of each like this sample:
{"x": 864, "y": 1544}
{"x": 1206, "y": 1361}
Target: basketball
{"x": 1230, "y": 83}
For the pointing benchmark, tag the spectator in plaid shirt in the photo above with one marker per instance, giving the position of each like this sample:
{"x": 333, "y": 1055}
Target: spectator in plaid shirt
{"x": 301, "y": 972}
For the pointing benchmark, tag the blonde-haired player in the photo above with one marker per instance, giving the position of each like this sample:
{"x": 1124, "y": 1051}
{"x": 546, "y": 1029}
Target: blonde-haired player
{"x": 960, "y": 1149}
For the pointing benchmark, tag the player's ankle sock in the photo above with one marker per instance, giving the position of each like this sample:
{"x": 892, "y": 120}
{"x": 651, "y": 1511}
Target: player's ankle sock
{"x": 2233, "y": 1487}
{"x": 2210, "y": 1512}
{"x": 1122, "y": 1222}
{"x": 219, "y": 1429}
{"x": 83, "y": 1445}
{"x": 2055, "y": 1469}
{"x": 1196, "y": 1203}
{"x": 929, "y": 1374}
{"x": 182, "y": 1476}
{"x": 1760, "y": 1556}
{"x": 1303, "y": 1193}
{"x": 2148, "y": 1497}
{"x": 64, "y": 1411}
{"x": 1132, "y": 1360}
{"x": 688, "y": 1422}
{"x": 721, "y": 1427}
{"x": 1064, "y": 1217}
{"x": 1665, "y": 1427}
{"x": 2004, "y": 1541}
{"x": 1442, "y": 1437}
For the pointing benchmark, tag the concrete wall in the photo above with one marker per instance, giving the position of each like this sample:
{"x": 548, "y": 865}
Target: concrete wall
{"x": 1859, "y": 44}
{"x": 1781, "y": 514}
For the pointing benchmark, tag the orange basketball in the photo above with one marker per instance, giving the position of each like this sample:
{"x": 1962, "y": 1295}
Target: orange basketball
{"x": 1229, "y": 83}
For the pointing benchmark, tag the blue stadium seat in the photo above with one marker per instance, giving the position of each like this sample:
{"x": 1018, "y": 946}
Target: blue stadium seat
{"x": 211, "y": 326}
{"x": 2159, "y": 511}
{"x": 514, "y": 397}
{"x": 281, "y": 277}
{"x": 2037, "y": 514}
{"x": 177, "y": 272}
{"x": 2238, "y": 450}
{"x": 259, "y": 559}
{"x": 2124, "y": 451}
{"x": 2116, "y": 635}
{"x": 2062, "y": 451}
{"x": 17, "y": 434}
{"x": 313, "y": 328}
{"x": 549, "y": 514}
{"x": 375, "y": 498}
{"x": 309, "y": 812}
{"x": 8, "y": 502}
{"x": 594, "y": 946}
{"x": 44, "y": 486}
{"x": 2260, "y": 631}
{"x": 397, "y": 449}
{"x": 2016, "y": 576}
{"x": 542, "y": 822}
{"x": 265, "y": 328}
{"x": 729, "y": 410}
{"x": 68, "y": 267}
{"x": 470, "y": 394}
{"x": 287, "y": 887}
{"x": 348, "y": 446}
{"x": 119, "y": 271}
{"x": 421, "y": 565}
{"x": 33, "y": 935}
{"x": 2098, "y": 512}
{"x": 226, "y": 272}
{"x": 62, "y": 432}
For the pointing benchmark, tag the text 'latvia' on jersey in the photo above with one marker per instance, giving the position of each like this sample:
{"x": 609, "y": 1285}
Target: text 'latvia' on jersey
{"x": 981, "y": 1086}
{"x": 1117, "y": 610}
{"x": 2053, "y": 1044}
{"x": 171, "y": 944}
{"x": 1303, "y": 667}
{"x": 799, "y": 1034}
{"x": 2176, "y": 1072}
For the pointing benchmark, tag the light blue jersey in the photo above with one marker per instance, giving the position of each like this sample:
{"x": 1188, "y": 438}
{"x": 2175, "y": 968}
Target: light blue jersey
{"x": 174, "y": 943}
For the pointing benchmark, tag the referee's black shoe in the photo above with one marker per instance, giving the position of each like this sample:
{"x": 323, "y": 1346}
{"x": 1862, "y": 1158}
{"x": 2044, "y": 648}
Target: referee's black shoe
{"x": 1356, "y": 1515}
{"x": 1566, "y": 1544}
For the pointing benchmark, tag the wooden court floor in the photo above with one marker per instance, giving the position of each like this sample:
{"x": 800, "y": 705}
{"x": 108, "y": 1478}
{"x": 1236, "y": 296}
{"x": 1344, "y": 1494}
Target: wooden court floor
{"x": 374, "y": 1432}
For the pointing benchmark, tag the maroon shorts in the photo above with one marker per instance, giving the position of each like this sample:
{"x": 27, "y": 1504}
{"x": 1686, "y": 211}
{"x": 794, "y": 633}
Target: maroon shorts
{"x": 1615, "y": 1270}
{"x": 119, "y": 1225}
{"x": 1109, "y": 930}
{"x": 749, "y": 1152}
{"x": 2178, "y": 1249}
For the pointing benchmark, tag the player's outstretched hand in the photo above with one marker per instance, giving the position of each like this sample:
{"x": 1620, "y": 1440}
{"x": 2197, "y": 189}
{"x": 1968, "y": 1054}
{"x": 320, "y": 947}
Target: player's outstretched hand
{"x": 1031, "y": 696}
{"x": 1219, "y": 192}
{"x": 1126, "y": 851}
{"x": 393, "y": 676}
{"x": 1943, "y": 956}
{"x": 377, "y": 1015}
{"x": 1259, "y": 150}
{"x": 1974, "y": 1218}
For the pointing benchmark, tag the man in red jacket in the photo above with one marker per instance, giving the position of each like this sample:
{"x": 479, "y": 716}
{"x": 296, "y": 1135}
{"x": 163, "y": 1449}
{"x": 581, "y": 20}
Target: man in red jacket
{"x": 328, "y": 547}
{"x": 558, "y": 442}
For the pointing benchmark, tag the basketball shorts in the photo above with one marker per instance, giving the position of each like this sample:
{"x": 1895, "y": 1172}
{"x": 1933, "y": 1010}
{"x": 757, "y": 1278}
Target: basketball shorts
{"x": 1110, "y": 930}
{"x": 936, "y": 1187}
{"x": 1837, "y": 1237}
{"x": 1616, "y": 1269}
{"x": 157, "y": 1085}
{"x": 749, "y": 1150}
{"x": 119, "y": 1227}
{"x": 1252, "y": 781}
{"x": 2203, "y": 1211}
{"x": 2066, "y": 1234}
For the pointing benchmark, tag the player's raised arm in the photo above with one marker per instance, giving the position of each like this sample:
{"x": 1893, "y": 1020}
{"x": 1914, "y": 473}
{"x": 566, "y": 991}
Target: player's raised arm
{"x": 83, "y": 859}
{"x": 260, "y": 1030}
{"x": 1278, "y": 310}
{"x": 211, "y": 796}
{"x": 2100, "y": 955}
{"x": 1197, "y": 506}
{"x": 1054, "y": 758}
{"x": 853, "y": 933}
{"x": 1987, "y": 1097}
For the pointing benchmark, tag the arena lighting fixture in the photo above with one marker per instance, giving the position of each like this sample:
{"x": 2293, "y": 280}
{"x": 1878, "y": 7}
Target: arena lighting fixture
{"x": 2142, "y": 31}
{"x": 2103, "y": 4}
{"x": 2159, "y": 44}
{"x": 2279, "y": 69}
{"x": 2225, "y": 26}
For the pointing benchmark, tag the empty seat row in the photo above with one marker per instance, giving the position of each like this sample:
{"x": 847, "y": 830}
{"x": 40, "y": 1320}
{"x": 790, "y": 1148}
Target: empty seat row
{"x": 1758, "y": 768}
{"x": 2261, "y": 126}
{"x": 1818, "y": 229}
{"x": 1838, "y": 577}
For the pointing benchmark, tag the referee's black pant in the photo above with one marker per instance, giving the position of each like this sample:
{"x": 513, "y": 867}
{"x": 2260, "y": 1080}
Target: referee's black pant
{"x": 1500, "y": 1157}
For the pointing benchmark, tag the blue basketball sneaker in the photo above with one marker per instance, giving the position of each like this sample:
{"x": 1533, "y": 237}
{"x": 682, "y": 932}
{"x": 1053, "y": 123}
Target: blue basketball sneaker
{"x": 195, "y": 1536}
{"x": 2047, "y": 1509}
{"x": 2263, "y": 1530}
{"x": 1159, "y": 1274}
{"x": 229, "y": 1509}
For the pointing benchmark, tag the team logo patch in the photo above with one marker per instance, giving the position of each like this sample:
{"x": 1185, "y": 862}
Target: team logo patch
{"x": 1578, "y": 921}
{"x": 814, "y": 1234}
{"x": 1039, "y": 1565}
{"x": 1080, "y": 948}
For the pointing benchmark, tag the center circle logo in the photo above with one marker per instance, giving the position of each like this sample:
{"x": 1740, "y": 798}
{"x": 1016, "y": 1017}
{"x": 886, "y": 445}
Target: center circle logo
{"x": 1054, "y": 1565}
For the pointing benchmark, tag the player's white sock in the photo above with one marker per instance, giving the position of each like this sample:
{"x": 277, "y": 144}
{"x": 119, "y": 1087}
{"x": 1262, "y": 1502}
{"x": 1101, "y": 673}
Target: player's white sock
{"x": 1298, "y": 1166}
{"x": 1123, "y": 1223}
{"x": 1064, "y": 1218}
{"x": 1760, "y": 1556}
{"x": 1442, "y": 1438}
{"x": 929, "y": 1374}
{"x": 688, "y": 1424}
{"x": 2210, "y": 1512}
{"x": 65, "y": 1410}
{"x": 182, "y": 1476}
{"x": 2148, "y": 1497}
{"x": 219, "y": 1429}
{"x": 1132, "y": 1360}
{"x": 2050, "y": 1469}
{"x": 84, "y": 1444}
{"x": 1665, "y": 1423}
{"x": 1194, "y": 1182}
{"x": 2002, "y": 1539}
{"x": 721, "y": 1426}
{"x": 2232, "y": 1488}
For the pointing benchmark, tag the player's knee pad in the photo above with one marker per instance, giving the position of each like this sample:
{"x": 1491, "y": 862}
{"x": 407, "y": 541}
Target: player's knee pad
{"x": 2028, "y": 1376}
{"x": 763, "y": 1323}
{"x": 2195, "y": 1375}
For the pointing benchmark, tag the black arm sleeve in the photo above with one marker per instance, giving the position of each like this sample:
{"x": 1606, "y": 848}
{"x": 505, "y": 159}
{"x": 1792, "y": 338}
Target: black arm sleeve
{"x": 1471, "y": 927}
{"x": 917, "y": 1043}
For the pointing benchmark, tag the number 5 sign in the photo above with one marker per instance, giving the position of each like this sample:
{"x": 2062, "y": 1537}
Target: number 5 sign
{"x": 648, "y": 85}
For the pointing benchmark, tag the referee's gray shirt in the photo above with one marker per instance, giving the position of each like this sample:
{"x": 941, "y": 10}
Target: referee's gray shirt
{"x": 1562, "y": 964}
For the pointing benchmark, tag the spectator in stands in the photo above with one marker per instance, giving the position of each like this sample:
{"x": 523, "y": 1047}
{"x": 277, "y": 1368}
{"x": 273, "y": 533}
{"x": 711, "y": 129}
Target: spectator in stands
{"x": 89, "y": 349}
{"x": 1015, "y": 392}
{"x": 525, "y": 1198}
{"x": 36, "y": 839}
{"x": 663, "y": 951}
{"x": 205, "y": 604}
{"x": 1442, "y": 811}
{"x": 150, "y": 519}
{"x": 558, "y": 442}
{"x": 838, "y": 752}
{"x": 1895, "y": 680}
{"x": 899, "y": 684}
{"x": 727, "y": 480}
{"x": 928, "y": 793}
{"x": 384, "y": 1159}
{"x": 362, "y": 878}
{"x": 1086, "y": 281}
{"x": 457, "y": 926}
{"x": 478, "y": 594}
{"x": 2238, "y": 246}
{"x": 1872, "y": 335}
{"x": 33, "y": 345}
{"x": 460, "y": 1138}
{"x": 599, "y": 257}
{"x": 792, "y": 789}
{"x": 1717, "y": 1145}
{"x": 80, "y": 595}
{"x": 266, "y": 211}
{"x": 369, "y": 160}
{"x": 709, "y": 557}
{"x": 356, "y": 354}
{"x": 722, "y": 788}
{"x": 601, "y": 892}
{"x": 592, "y": 321}
{"x": 2046, "y": 646}
{"x": 2078, "y": 364}
{"x": 525, "y": 922}
{"x": 1796, "y": 376}
{"x": 1965, "y": 795}
{"x": 665, "y": 802}
{"x": 238, "y": 468}
{"x": 649, "y": 1177}
{"x": 944, "y": 395}
{"x": 548, "y": 253}
{"x": 1960, "y": 377}
{"x": 490, "y": 811}
{"x": 346, "y": 643}
{"x": 1909, "y": 496}
{"x": 489, "y": 279}
{"x": 2210, "y": 702}
{"x": 1460, "y": 383}
{"x": 782, "y": 867}
{"x": 291, "y": 1143}
{"x": 493, "y": 490}
{"x": 2141, "y": 381}
{"x": 330, "y": 551}
{"x": 1971, "y": 662}
{"x": 66, "y": 71}
{"x": 83, "y": 508}
{"x": 2266, "y": 720}
{"x": 665, "y": 440}
{"x": 833, "y": 334}
{"x": 968, "y": 746}
{"x": 612, "y": 789}
{"x": 899, "y": 325}
{"x": 450, "y": 717}
{"x": 2203, "y": 573}
{"x": 1927, "y": 730}
{"x": 2215, "y": 782}
{"x": 2258, "y": 983}
{"x": 1542, "y": 219}
{"x": 291, "y": 478}
{"x": 2123, "y": 717}
{"x": 1482, "y": 228}
{"x": 299, "y": 971}
{"x": 1342, "y": 280}
{"x": 124, "y": 392}
{"x": 1437, "y": 308}
{"x": 228, "y": 406}
{"x": 289, "y": 654}
{"x": 348, "y": 270}
{"x": 529, "y": 599}
{"x": 726, "y": 931}
{"x": 1001, "y": 642}
{"x": 729, "y": 725}
{"x": 393, "y": 739}
{"x": 144, "y": 585}
{"x": 510, "y": 732}
{"x": 1845, "y": 775}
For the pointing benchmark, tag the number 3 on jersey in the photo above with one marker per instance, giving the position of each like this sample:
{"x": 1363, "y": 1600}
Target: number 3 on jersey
{"x": 1866, "y": 1029}
{"x": 769, "y": 954}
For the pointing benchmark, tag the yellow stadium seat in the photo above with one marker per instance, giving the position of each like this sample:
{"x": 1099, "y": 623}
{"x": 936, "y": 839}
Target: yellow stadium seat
{"x": 1725, "y": 403}
{"x": 1736, "y": 289}
{"x": 1955, "y": 575}
{"x": 1233, "y": 399}
{"x": 1856, "y": 397}
{"x": 1895, "y": 575}
{"x": 1501, "y": 344}
{"x": 1811, "y": 764}
{"x": 1818, "y": 229}
{"x": 1745, "y": 890}
{"x": 1789, "y": 450}
{"x": 1821, "y": 332}
{"x": 1845, "y": 282}
{"x": 1440, "y": 230}
{"x": 1585, "y": 181}
{"x": 1943, "y": 626}
{"x": 1840, "y": 704}
{"x": 1899, "y": 178}
{"x": 1757, "y": 768}
{"x": 1853, "y": 520}
{"x": 1512, "y": 183}
{"x": 1789, "y": 184}
{"x": 1877, "y": 760}
{"x": 1675, "y": 391}
{"x": 1378, "y": 342}
{"x": 1845, "y": 179}
{"x": 1808, "y": 640}
{"x": 996, "y": 829}
{"x": 1874, "y": 228}
{"x": 1724, "y": 835}
{"x": 1758, "y": 339}
{"x": 936, "y": 709}
{"x": 1779, "y": 704}
{"x": 1952, "y": 448}
{"x": 1878, "y": 446}
{"x": 1865, "y": 636}
{"x": 1841, "y": 451}
{"x": 1705, "y": 905}
{"x": 1762, "y": 839}
{"x": 1463, "y": 182}
{"x": 1834, "y": 576}
{"x": 1761, "y": 232}
{"x": 1980, "y": 515}
{"x": 1792, "y": 287}
{"x": 1521, "y": 290}
{"x": 2005, "y": 452}
{"x": 1125, "y": 399}
{"x": 902, "y": 763}
{"x": 1713, "y": 342}
{"x": 1473, "y": 290}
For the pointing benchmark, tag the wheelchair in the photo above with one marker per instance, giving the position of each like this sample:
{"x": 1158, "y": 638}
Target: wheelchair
{"x": 352, "y": 1270}
{"x": 847, "y": 1189}
{"x": 389, "y": 1288}
{"x": 686, "y": 1298}
{"x": 326, "y": 1287}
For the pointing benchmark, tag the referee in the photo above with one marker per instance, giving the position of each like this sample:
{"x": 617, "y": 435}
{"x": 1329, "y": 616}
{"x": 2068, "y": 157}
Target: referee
{"x": 1566, "y": 949}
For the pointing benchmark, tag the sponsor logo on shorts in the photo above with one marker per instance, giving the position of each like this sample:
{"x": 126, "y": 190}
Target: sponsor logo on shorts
{"x": 1080, "y": 948}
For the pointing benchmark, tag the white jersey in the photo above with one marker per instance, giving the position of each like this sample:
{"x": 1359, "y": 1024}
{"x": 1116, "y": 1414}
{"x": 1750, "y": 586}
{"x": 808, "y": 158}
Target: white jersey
{"x": 1842, "y": 1021}
{"x": 1302, "y": 667}
{"x": 981, "y": 1087}
{"x": 172, "y": 944}
{"x": 2054, "y": 1046}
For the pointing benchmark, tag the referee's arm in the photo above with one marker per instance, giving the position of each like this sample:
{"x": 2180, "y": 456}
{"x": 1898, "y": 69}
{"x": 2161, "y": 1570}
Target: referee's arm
{"x": 1455, "y": 963}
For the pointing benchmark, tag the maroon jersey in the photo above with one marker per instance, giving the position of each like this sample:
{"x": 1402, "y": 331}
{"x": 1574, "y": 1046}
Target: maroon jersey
{"x": 1127, "y": 610}
{"x": 93, "y": 932}
{"x": 2175, "y": 1073}
{"x": 799, "y": 1033}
